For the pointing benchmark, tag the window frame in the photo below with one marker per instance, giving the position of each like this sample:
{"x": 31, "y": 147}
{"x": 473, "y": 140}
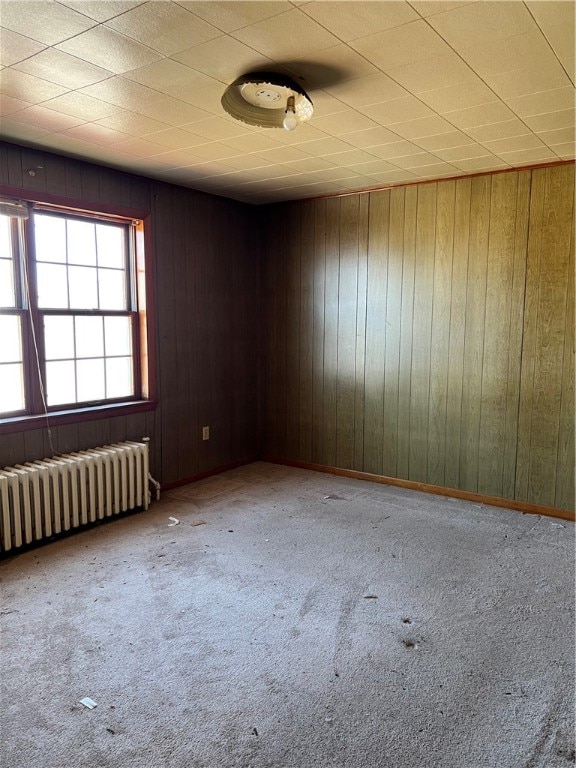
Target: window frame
{"x": 142, "y": 320}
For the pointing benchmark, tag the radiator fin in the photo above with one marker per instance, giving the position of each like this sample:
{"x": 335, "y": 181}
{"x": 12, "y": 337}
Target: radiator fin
{"x": 45, "y": 497}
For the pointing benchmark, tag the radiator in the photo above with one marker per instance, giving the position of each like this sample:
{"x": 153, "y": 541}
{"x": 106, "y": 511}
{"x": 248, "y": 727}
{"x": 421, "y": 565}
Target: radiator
{"x": 40, "y": 499}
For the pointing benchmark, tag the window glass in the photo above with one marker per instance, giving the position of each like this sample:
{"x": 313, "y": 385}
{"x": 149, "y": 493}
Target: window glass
{"x": 50, "y": 238}
{"x": 11, "y": 387}
{"x": 10, "y": 339}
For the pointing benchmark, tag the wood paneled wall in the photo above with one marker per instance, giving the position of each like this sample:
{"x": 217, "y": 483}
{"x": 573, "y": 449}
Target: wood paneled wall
{"x": 205, "y": 275}
{"x": 427, "y": 333}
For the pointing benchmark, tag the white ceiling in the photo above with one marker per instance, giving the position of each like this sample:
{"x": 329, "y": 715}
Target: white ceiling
{"x": 402, "y": 90}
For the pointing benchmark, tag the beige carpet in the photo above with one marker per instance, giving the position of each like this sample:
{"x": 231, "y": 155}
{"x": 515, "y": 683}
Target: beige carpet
{"x": 293, "y": 620}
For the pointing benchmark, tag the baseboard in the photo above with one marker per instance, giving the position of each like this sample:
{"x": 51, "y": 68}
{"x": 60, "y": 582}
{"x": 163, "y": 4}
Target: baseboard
{"x": 494, "y": 501}
{"x": 209, "y": 472}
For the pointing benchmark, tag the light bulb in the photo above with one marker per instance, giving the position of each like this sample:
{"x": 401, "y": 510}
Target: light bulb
{"x": 290, "y": 121}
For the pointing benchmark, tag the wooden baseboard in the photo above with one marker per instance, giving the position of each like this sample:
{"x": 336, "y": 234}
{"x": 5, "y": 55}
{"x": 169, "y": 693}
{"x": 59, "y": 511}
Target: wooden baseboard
{"x": 208, "y": 473}
{"x": 494, "y": 501}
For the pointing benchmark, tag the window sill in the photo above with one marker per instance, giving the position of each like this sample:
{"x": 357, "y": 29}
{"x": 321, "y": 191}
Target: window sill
{"x": 76, "y": 416}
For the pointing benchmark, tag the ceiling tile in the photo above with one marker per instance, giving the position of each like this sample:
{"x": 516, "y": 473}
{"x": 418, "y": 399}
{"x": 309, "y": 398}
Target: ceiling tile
{"x": 434, "y": 170}
{"x": 310, "y": 164}
{"x": 417, "y": 160}
{"x": 334, "y": 174}
{"x": 429, "y": 7}
{"x": 351, "y": 157}
{"x": 164, "y": 26}
{"x": 48, "y": 23}
{"x": 232, "y": 15}
{"x": 15, "y": 47}
{"x": 493, "y": 57}
{"x": 424, "y": 126}
{"x": 217, "y": 128}
{"x": 290, "y": 35}
{"x": 109, "y": 49}
{"x": 95, "y": 133}
{"x": 171, "y": 111}
{"x": 551, "y": 121}
{"x": 364, "y": 91}
{"x": 557, "y": 21}
{"x": 132, "y": 124}
{"x": 493, "y": 112}
{"x": 398, "y": 176}
{"x": 175, "y": 138}
{"x": 560, "y": 136}
{"x": 350, "y": 20}
{"x": 8, "y": 105}
{"x": 513, "y": 144}
{"x": 325, "y": 104}
{"x": 13, "y": 129}
{"x": 374, "y": 166}
{"x": 543, "y": 102}
{"x": 140, "y": 147}
{"x": 565, "y": 151}
{"x": 454, "y": 97}
{"x": 327, "y": 146}
{"x": 486, "y": 162}
{"x": 174, "y": 79}
{"x": 344, "y": 122}
{"x": 252, "y": 142}
{"x": 337, "y": 62}
{"x": 224, "y": 58}
{"x": 248, "y": 162}
{"x": 443, "y": 141}
{"x": 214, "y": 150}
{"x": 46, "y": 118}
{"x": 63, "y": 69}
{"x": 521, "y": 82}
{"x": 370, "y": 138}
{"x": 426, "y": 74}
{"x": 403, "y": 45}
{"x": 396, "y": 149}
{"x": 461, "y": 153}
{"x": 101, "y": 10}
{"x": 283, "y": 154}
{"x": 527, "y": 156}
{"x": 479, "y": 23}
{"x": 124, "y": 93}
{"x": 502, "y": 130}
{"x": 397, "y": 110}
{"x": 19, "y": 85}
{"x": 79, "y": 105}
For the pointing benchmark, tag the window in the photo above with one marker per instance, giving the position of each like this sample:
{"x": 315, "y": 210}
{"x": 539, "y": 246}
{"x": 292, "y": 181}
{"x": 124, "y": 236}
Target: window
{"x": 72, "y": 311}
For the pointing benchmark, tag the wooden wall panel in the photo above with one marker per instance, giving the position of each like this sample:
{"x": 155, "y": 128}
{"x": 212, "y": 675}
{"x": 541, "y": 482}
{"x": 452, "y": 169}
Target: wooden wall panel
{"x": 205, "y": 276}
{"x": 443, "y": 334}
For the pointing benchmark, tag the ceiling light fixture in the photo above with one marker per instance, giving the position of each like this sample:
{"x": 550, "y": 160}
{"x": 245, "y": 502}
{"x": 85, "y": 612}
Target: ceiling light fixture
{"x": 268, "y": 100}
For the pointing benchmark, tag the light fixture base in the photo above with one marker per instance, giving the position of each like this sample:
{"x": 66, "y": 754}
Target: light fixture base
{"x": 260, "y": 98}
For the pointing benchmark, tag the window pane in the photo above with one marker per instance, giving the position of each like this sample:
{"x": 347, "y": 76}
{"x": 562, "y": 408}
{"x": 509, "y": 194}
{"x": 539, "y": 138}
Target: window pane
{"x": 81, "y": 242}
{"x": 7, "y": 297}
{"x": 59, "y": 337}
{"x": 110, "y": 240}
{"x": 5, "y": 237}
{"x": 11, "y": 388}
{"x": 118, "y": 335}
{"x": 89, "y": 337}
{"x": 119, "y": 377}
{"x": 60, "y": 383}
{"x": 10, "y": 339}
{"x": 83, "y": 287}
{"x": 52, "y": 288}
{"x": 112, "y": 289}
{"x": 50, "y": 238}
{"x": 90, "y": 375}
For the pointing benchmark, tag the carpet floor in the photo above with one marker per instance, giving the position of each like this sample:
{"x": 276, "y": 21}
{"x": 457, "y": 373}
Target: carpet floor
{"x": 291, "y": 619}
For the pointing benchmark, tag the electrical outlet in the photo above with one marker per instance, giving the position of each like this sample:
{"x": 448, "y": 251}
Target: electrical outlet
{"x": 205, "y": 433}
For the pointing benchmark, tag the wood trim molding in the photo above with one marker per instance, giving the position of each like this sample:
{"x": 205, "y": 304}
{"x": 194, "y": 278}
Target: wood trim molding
{"x": 493, "y": 501}
{"x": 383, "y": 187}
{"x": 208, "y": 473}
